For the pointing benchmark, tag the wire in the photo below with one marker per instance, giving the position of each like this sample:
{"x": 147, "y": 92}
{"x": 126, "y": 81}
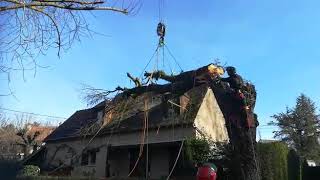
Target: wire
{"x": 36, "y": 114}
{"x": 160, "y": 9}
{"x": 175, "y": 60}
{"x": 94, "y": 136}
{"x": 163, "y": 65}
{"x": 157, "y": 62}
{"x": 154, "y": 53}
{"x": 84, "y": 147}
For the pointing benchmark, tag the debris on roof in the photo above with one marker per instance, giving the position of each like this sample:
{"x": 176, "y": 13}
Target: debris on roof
{"x": 129, "y": 106}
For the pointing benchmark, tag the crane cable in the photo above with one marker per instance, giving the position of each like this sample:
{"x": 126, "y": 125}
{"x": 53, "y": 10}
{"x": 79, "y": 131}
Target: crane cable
{"x": 161, "y": 46}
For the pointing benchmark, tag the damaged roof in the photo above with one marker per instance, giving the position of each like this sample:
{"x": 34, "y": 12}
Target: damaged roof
{"x": 72, "y": 126}
{"x": 163, "y": 114}
{"x": 129, "y": 114}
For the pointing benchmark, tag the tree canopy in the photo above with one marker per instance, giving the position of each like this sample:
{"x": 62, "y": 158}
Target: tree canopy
{"x": 299, "y": 127}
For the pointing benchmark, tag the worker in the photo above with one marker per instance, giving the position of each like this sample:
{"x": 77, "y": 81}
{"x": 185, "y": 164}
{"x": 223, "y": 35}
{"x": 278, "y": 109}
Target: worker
{"x": 235, "y": 81}
{"x": 237, "y": 85}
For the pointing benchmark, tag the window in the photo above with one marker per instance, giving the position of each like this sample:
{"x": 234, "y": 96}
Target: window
{"x": 89, "y": 157}
{"x": 100, "y": 117}
{"x": 84, "y": 159}
{"x": 92, "y": 157}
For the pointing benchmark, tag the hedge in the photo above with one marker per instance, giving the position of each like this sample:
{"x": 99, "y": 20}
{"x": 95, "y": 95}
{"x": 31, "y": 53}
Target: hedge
{"x": 273, "y": 160}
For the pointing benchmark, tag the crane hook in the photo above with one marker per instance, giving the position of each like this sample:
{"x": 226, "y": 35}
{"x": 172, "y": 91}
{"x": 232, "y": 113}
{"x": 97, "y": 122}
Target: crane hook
{"x": 161, "y": 31}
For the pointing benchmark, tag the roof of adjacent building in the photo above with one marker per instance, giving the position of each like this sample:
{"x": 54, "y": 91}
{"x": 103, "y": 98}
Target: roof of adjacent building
{"x": 43, "y": 131}
{"x": 268, "y": 140}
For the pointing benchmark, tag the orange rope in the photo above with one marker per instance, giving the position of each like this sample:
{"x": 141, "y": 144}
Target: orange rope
{"x": 146, "y": 117}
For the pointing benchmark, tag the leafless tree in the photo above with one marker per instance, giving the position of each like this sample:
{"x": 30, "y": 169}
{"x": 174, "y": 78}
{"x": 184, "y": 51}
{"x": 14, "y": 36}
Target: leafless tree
{"x": 8, "y": 137}
{"x": 28, "y": 28}
{"x": 15, "y": 134}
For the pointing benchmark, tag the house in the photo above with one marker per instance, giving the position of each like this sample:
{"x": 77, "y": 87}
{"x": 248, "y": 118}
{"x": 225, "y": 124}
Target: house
{"x": 16, "y": 146}
{"x": 311, "y": 163}
{"x": 39, "y": 132}
{"x": 268, "y": 140}
{"x": 141, "y": 131}
{"x": 8, "y": 143}
{"x": 93, "y": 142}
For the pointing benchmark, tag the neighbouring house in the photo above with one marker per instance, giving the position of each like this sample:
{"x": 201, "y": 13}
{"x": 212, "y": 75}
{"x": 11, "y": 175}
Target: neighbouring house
{"x": 268, "y": 140}
{"x": 8, "y": 144}
{"x": 41, "y": 133}
{"x": 104, "y": 142}
{"x": 18, "y": 147}
{"x": 311, "y": 163}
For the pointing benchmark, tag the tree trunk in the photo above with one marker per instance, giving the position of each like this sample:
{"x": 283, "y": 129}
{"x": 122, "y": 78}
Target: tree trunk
{"x": 244, "y": 161}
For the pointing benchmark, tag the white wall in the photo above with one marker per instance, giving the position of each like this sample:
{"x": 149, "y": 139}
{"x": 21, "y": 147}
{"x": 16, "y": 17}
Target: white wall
{"x": 124, "y": 139}
{"x": 210, "y": 120}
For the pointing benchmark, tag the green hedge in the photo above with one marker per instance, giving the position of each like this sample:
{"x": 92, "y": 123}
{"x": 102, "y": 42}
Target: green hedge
{"x": 273, "y": 160}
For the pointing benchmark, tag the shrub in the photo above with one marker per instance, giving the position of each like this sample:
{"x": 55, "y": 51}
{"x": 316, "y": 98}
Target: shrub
{"x": 30, "y": 170}
{"x": 197, "y": 150}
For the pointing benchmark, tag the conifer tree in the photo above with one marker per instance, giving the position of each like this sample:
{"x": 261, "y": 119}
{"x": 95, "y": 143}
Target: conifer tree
{"x": 299, "y": 127}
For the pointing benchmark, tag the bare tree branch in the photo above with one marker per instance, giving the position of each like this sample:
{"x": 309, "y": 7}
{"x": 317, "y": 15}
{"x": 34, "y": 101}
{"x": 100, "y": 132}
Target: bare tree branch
{"x": 93, "y": 96}
{"x": 61, "y": 4}
{"x": 136, "y": 80}
{"x": 29, "y": 28}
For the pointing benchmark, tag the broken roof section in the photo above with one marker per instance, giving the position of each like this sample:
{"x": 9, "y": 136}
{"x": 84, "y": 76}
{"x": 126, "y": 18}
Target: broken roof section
{"x": 160, "y": 112}
{"x": 128, "y": 114}
{"x": 175, "y": 103}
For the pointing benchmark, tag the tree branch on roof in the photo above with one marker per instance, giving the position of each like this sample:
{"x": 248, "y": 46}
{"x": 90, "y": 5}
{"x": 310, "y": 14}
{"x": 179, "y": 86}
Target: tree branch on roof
{"x": 136, "y": 80}
{"x": 93, "y": 96}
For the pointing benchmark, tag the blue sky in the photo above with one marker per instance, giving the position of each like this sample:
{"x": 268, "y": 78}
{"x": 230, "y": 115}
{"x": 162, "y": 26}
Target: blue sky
{"x": 273, "y": 44}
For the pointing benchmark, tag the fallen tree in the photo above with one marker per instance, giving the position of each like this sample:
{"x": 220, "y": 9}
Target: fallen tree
{"x": 241, "y": 124}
